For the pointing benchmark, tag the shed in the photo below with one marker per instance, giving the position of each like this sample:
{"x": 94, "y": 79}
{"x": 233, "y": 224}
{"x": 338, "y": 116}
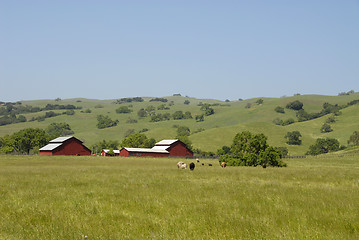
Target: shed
{"x": 65, "y": 146}
{"x": 164, "y": 148}
{"x": 105, "y": 152}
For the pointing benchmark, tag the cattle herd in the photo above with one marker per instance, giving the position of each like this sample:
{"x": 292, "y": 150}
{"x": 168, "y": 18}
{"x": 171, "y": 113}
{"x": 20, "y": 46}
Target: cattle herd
{"x": 192, "y": 165}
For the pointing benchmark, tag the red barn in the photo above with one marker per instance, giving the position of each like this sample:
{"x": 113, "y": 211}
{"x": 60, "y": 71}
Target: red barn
{"x": 164, "y": 148}
{"x": 105, "y": 152}
{"x": 65, "y": 146}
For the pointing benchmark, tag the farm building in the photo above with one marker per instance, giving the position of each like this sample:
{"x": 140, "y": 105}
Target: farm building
{"x": 65, "y": 146}
{"x": 105, "y": 152}
{"x": 164, "y": 148}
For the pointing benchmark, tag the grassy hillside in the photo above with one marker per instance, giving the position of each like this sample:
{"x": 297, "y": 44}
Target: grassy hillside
{"x": 69, "y": 197}
{"x": 219, "y": 129}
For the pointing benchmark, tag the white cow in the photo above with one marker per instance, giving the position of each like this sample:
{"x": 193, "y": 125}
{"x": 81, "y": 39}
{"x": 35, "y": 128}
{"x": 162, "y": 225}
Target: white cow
{"x": 182, "y": 165}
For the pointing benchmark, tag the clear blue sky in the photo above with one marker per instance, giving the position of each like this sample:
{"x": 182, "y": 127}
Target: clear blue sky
{"x": 206, "y": 49}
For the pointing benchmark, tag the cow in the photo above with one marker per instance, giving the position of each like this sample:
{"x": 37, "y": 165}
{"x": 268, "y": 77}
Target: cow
{"x": 192, "y": 166}
{"x": 181, "y": 165}
{"x": 210, "y": 164}
{"x": 197, "y": 160}
{"x": 223, "y": 164}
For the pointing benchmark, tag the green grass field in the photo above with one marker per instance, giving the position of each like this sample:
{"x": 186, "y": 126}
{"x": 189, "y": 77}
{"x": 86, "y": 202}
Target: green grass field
{"x": 68, "y": 197}
{"x": 219, "y": 129}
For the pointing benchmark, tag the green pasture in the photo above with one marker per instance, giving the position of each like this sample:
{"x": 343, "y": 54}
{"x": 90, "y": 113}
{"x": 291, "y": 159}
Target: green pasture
{"x": 218, "y": 129}
{"x": 69, "y": 197}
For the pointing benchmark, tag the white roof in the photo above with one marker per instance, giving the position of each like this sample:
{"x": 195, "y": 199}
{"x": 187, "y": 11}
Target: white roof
{"x": 60, "y": 139}
{"x": 163, "y": 148}
{"x": 147, "y": 150}
{"x": 166, "y": 142}
{"x": 50, "y": 147}
{"x": 107, "y": 150}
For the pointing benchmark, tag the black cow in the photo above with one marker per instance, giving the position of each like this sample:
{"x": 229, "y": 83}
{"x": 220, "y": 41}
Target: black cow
{"x": 192, "y": 166}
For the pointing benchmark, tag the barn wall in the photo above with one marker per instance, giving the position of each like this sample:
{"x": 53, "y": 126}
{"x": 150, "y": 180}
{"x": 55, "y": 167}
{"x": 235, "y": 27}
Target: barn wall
{"x": 180, "y": 150}
{"x": 47, "y": 153}
{"x": 72, "y": 147}
{"x": 124, "y": 153}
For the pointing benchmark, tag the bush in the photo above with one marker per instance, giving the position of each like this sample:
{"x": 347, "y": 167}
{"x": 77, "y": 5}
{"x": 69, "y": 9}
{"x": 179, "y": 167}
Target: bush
{"x": 326, "y": 128}
{"x": 123, "y": 109}
{"x": 138, "y": 140}
{"x": 252, "y": 150}
{"x": 105, "y": 122}
{"x": 296, "y": 105}
{"x": 324, "y": 145}
{"x": 183, "y": 131}
{"x": 293, "y": 138}
{"x": 354, "y": 138}
{"x": 131, "y": 120}
{"x": 279, "y": 109}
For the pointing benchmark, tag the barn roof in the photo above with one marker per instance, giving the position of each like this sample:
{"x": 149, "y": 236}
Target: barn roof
{"x": 146, "y": 150}
{"x": 160, "y": 148}
{"x": 60, "y": 139}
{"x": 50, "y": 146}
{"x": 107, "y": 150}
{"x": 167, "y": 142}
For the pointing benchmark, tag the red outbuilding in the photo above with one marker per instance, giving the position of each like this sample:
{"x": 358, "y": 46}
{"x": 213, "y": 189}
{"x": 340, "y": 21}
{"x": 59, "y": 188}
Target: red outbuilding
{"x": 65, "y": 146}
{"x": 106, "y": 152}
{"x": 164, "y": 148}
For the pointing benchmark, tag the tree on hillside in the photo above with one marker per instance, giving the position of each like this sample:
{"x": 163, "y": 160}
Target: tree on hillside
{"x": 178, "y": 115}
{"x": 59, "y": 129}
{"x": 295, "y": 105}
{"x": 138, "y": 140}
{"x": 326, "y": 128}
{"x": 187, "y": 102}
{"x": 123, "y": 109}
{"x": 324, "y": 145}
{"x": 105, "y": 122}
{"x": 279, "y": 109}
{"x": 183, "y": 131}
{"x": 260, "y": 101}
{"x": 293, "y": 138}
{"x": 200, "y": 118}
{"x": 354, "y": 138}
{"x": 142, "y": 113}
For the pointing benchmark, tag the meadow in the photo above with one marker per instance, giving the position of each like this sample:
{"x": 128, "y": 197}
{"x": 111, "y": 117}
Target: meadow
{"x": 69, "y": 197}
{"x": 214, "y": 132}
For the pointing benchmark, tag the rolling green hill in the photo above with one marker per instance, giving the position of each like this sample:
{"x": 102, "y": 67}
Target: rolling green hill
{"x": 214, "y": 132}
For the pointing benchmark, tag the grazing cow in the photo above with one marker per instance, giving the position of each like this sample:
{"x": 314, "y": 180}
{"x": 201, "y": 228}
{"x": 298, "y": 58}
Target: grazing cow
{"x": 197, "y": 160}
{"x": 202, "y": 164}
{"x": 192, "y": 166}
{"x": 210, "y": 164}
{"x": 223, "y": 164}
{"x": 181, "y": 165}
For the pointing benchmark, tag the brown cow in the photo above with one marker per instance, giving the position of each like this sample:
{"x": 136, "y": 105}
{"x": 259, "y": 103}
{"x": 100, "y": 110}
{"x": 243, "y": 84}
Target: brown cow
{"x": 223, "y": 164}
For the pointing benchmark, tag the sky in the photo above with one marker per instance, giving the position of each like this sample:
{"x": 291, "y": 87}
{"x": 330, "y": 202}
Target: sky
{"x": 218, "y": 49}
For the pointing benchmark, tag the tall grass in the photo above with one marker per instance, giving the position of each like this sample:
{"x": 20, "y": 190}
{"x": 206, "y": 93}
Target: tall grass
{"x": 146, "y": 198}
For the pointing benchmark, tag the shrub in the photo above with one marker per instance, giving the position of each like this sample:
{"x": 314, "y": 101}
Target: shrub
{"x": 105, "y": 122}
{"x": 293, "y": 138}
{"x": 326, "y": 128}
{"x": 131, "y": 120}
{"x": 296, "y": 105}
{"x": 324, "y": 145}
{"x": 123, "y": 109}
{"x": 354, "y": 138}
{"x": 279, "y": 109}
